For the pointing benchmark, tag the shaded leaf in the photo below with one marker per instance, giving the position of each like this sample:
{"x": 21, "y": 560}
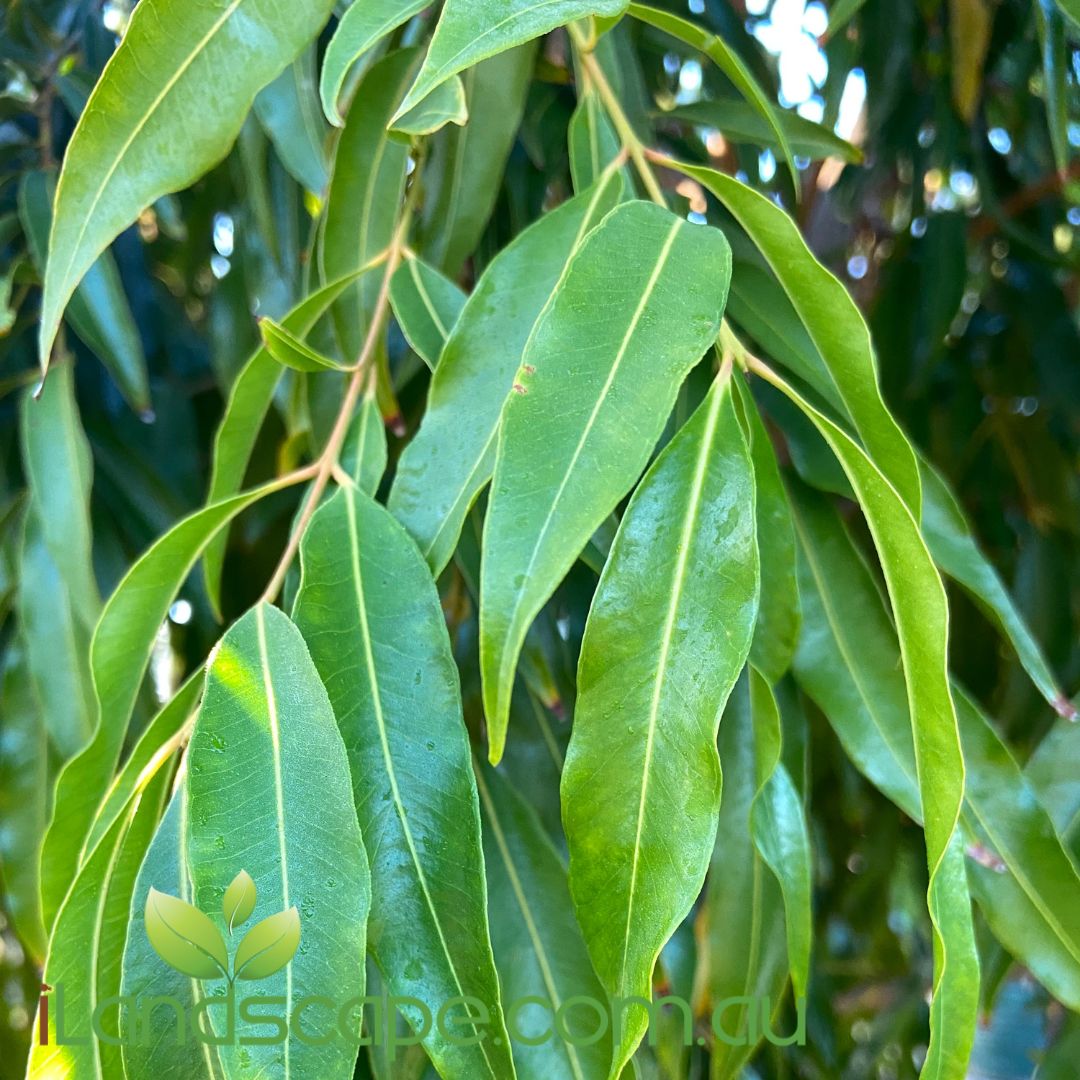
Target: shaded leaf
{"x": 426, "y": 305}
{"x": 593, "y": 141}
{"x": 444, "y": 105}
{"x": 590, "y": 401}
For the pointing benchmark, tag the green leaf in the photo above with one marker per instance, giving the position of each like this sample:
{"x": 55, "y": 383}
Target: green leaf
{"x": 59, "y": 469}
{"x": 119, "y": 654}
{"x": 361, "y": 28}
{"x": 469, "y": 31}
{"x": 777, "y": 630}
{"x": 239, "y": 901}
{"x": 152, "y": 1050}
{"x": 741, "y": 122}
{"x": 426, "y": 305}
{"x": 1056, "y": 62}
{"x": 290, "y": 351}
{"x": 249, "y": 401}
{"x": 164, "y": 75}
{"x": 290, "y": 116}
{"x": 1072, "y": 9}
{"x": 921, "y": 610}
{"x": 363, "y": 454}
{"x": 366, "y": 187}
{"x": 185, "y": 938}
{"x": 450, "y": 459}
{"x": 590, "y": 401}
{"x": 371, "y": 616}
{"x": 24, "y": 795}
{"x": 841, "y": 12}
{"x": 593, "y": 141}
{"x": 743, "y": 945}
{"x": 99, "y": 312}
{"x": 731, "y": 64}
{"x": 444, "y": 105}
{"x": 832, "y": 320}
{"x": 266, "y": 728}
{"x": 268, "y": 946}
{"x": 949, "y": 537}
{"x": 778, "y": 825}
{"x": 537, "y": 942}
{"x": 466, "y": 164}
{"x": 86, "y": 947}
{"x": 642, "y": 753}
{"x": 1053, "y": 771}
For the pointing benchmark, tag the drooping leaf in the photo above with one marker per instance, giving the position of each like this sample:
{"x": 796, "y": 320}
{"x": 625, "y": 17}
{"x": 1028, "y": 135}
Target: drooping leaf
{"x": 970, "y": 23}
{"x": 98, "y": 312}
{"x": 249, "y": 401}
{"x": 291, "y": 118}
{"x": 450, "y": 459}
{"x": 119, "y": 653}
{"x": 290, "y": 351}
{"x": 426, "y": 305}
{"x": 921, "y": 611}
{"x": 444, "y": 105}
{"x": 740, "y": 121}
{"x": 239, "y": 901}
{"x": 469, "y": 31}
{"x": 590, "y": 400}
{"x": 185, "y": 938}
{"x": 949, "y": 537}
{"x": 266, "y": 724}
{"x": 163, "y": 78}
{"x": 268, "y": 946}
{"x": 466, "y": 164}
{"x": 361, "y": 28}
{"x": 537, "y": 942}
{"x": 23, "y": 800}
{"x": 593, "y": 141}
{"x": 841, "y": 13}
{"x": 731, "y": 64}
{"x": 1055, "y": 57}
{"x": 675, "y": 607}
{"x": 371, "y": 616}
{"x": 366, "y": 185}
{"x": 833, "y": 321}
{"x": 363, "y": 454}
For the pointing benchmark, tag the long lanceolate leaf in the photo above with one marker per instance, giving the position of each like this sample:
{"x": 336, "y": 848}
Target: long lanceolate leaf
{"x": 210, "y": 60}
{"x": 427, "y": 306}
{"x": 832, "y": 320}
{"x": 266, "y": 730}
{"x": 640, "y": 303}
{"x": 1024, "y": 880}
{"x": 119, "y": 654}
{"x": 919, "y": 603}
{"x": 668, "y": 632}
{"x": 451, "y": 457}
{"x": 370, "y": 613}
{"x": 470, "y": 30}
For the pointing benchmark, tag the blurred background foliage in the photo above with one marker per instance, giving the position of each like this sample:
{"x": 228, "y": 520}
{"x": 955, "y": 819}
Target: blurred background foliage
{"x": 958, "y": 232}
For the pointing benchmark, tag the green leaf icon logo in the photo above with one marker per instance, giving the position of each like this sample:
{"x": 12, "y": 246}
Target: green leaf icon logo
{"x": 185, "y": 938}
{"x": 239, "y": 900}
{"x": 268, "y": 946}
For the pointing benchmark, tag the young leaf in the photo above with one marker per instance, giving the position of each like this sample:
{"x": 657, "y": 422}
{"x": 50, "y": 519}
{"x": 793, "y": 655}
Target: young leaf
{"x": 266, "y": 727}
{"x": 832, "y": 320}
{"x": 537, "y": 942}
{"x": 289, "y": 351}
{"x": 185, "y": 938}
{"x": 444, "y": 105}
{"x": 371, "y": 616}
{"x": 469, "y": 31}
{"x": 731, "y": 64}
{"x": 466, "y": 164}
{"x": 426, "y": 305}
{"x": 590, "y": 401}
{"x": 920, "y": 607}
{"x": 163, "y": 78}
{"x": 99, "y": 312}
{"x": 676, "y": 605}
{"x": 119, "y": 654}
{"x": 450, "y": 459}
{"x": 268, "y": 946}
{"x": 361, "y": 28}
{"x": 239, "y": 901}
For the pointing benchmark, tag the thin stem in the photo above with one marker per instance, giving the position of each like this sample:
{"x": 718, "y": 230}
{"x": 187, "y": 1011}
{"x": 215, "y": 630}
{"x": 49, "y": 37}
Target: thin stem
{"x": 327, "y": 462}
